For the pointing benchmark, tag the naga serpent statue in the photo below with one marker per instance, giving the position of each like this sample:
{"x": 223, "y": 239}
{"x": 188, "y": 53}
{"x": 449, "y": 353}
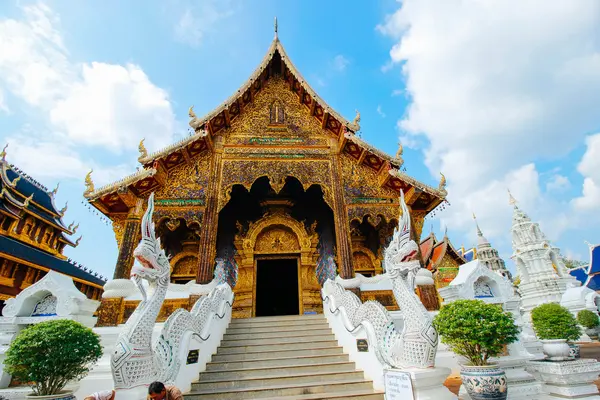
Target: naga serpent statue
{"x": 134, "y": 361}
{"x": 416, "y": 345}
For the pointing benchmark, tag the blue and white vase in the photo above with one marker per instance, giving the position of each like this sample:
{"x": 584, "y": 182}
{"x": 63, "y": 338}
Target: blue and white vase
{"x": 575, "y": 351}
{"x": 486, "y": 382}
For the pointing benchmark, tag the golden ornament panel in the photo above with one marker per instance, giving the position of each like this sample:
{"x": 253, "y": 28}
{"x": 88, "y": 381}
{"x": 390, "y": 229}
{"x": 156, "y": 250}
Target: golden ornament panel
{"x": 187, "y": 180}
{"x": 277, "y": 240}
{"x": 360, "y": 181}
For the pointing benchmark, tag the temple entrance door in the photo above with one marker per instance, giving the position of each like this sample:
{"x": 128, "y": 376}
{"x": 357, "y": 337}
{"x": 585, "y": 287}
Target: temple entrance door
{"x": 277, "y": 287}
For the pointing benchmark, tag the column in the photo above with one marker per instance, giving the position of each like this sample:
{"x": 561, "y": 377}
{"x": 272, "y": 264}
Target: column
{"x": 342, "y": 226}
{"x": 132, "y": 235}
{"x": 210, "y": 220}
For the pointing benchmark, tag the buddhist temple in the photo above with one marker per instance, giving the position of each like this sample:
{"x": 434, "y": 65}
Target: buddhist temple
{"x": 33, "y": 236}
{"x": 441, "y": 258}
{"x": 276, "y": 184}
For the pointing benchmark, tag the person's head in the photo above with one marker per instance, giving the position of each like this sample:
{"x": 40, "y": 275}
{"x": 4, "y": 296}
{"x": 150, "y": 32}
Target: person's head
{"x": 102, "y": 395}
{"x": 157, "y": 391}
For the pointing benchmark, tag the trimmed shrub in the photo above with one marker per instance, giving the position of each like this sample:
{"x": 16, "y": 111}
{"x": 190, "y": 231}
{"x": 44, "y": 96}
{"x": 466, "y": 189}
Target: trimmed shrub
{"x": 553, "y": 321}
{"x": 475, "y": 330}
{"x": 52, "y": 353}
{"x": 588, "y": 319}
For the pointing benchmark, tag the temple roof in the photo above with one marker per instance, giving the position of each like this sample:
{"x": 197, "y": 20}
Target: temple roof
{"x": 594, "y": 260}
{"x": 24, "y": 253}
{"x": 21, "y": 193}
{"x": 275, "y": 63}
{"x": 433, "y": 251}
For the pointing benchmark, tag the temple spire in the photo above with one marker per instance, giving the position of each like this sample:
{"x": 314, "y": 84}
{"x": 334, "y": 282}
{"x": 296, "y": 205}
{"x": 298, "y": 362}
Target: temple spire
{"x": 276, "y": 35}
{"x": 477, "y": 225}
{"x": 511, "y": 199}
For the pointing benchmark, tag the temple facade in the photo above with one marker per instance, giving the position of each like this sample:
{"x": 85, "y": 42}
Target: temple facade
{"x": 33, "y": 236}
{"x": 275, "y": 184}
{"x": 441, "y": 258}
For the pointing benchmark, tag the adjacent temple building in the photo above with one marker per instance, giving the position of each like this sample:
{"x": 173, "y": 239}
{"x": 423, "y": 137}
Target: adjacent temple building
{"x": 33, "y": 237}
{"x": 274, "y": 181}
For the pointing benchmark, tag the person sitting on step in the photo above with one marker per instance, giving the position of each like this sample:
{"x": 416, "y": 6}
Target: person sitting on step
{"x": 101, "y": 395}
{"x": 158, "y": 391}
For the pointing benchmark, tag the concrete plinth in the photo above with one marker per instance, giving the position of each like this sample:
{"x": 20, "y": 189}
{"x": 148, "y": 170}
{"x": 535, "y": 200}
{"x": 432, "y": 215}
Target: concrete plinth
{"x": 428, "y": 384}
{"x": 567, "y": 379}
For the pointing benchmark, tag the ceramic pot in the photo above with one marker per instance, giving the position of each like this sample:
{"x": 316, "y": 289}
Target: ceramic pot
{"x": 63, "y": 395}
{"x": 575, "y": 350}
{"x": 486, "y": 382}
{"x": 556, "y": 349}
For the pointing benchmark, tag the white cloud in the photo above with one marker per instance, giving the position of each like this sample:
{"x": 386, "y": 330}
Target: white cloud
{"x": 201, "y": 19}
{"x": 589, "y": 167}
{"x": 558, "y": 183}
{"x": 397, "y": 92}
{"x": 380, "y": 111}
{"x": 97, "y": 105}
{"x": 492, "y": 88}
{"x": 3, "y": 105}
{"x": 340, "y": 63}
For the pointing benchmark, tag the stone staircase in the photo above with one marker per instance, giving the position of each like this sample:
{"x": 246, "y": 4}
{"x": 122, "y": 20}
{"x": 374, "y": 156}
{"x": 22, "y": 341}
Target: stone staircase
{"x": 288, "y": 357}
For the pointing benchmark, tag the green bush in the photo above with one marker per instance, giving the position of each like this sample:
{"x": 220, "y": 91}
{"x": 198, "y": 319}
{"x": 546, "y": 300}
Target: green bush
{"x": 475, "y": 330}
{"x": 50, "y": 354}
{"x": 588, "y": 319}
{"x": 553, "y": 321}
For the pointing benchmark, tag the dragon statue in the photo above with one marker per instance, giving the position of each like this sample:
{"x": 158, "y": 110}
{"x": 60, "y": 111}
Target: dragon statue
{"x": 134, "y": 361}
{"x": 416, "y": 345}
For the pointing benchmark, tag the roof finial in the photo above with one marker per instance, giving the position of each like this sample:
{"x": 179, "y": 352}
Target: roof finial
{"x": 511, "y": 199}
{"x": 442, "y": 185}
{"x": 64, "y": 209}
{"x": 55, "y": 190}
{"x": 276, "y": 36}
{"x": 75, "y": 228}
{"x": 89, "y": 184}
{"x": 78, "y": 240}
{"x": 191, "y": 112}
{"x": 142, "y": 149}
{"x": 3, "y": 154}
{"x": 477, "y": 225}
{"x": 446, "y": 232}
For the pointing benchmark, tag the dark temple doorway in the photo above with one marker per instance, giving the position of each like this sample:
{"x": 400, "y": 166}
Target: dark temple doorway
{"x": 277, "y": 287}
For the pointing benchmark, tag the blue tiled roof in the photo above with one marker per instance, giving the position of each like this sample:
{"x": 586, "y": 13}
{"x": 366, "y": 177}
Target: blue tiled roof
{"x": 595, "y": 261}
{"x": 594, "y": 282}
{"x": 38, "y": 257}
{"x": 580, "y": 274}
{"x": 40, "y": 196}
{"x": 469, "y": 255}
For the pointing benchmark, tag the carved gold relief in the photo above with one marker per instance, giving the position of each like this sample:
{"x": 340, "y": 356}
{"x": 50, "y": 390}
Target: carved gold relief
{"x": 258, "y": 118}
{"x": 361, "y": 181}
{"x": 187, "y": 181}
{"x": 277, "y": 240}
{"x": 119, "y": 229}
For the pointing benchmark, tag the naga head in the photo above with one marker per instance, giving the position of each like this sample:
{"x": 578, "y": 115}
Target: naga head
{"x": 153, "y": 264}
{"x": 400, "y": 255}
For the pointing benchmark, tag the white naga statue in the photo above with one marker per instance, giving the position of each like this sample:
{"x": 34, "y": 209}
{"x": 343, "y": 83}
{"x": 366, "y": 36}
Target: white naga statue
{"x": 135, "y": 362}
{"x": 416, "y": 345}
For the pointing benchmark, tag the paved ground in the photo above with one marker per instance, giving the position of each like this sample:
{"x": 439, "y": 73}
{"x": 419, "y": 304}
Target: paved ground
{"x": 588, "y": 350}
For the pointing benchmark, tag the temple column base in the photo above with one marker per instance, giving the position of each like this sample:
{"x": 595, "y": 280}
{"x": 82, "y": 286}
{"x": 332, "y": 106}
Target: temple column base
{"x": 567, "y": 379}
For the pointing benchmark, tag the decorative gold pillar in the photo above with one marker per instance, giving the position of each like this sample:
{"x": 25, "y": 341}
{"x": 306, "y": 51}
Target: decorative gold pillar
{"x": 210, "y": 220}
{"x": 110, "y": 312}
{"x": 131, "y": 237}
{"x": 340, "y": 215}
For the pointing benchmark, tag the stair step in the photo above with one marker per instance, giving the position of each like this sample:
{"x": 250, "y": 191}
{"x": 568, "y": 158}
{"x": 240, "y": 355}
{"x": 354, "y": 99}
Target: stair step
{"x": 282, "y": 318}
{"x": 276, "y": 372}
{"x": 282, "y": 354}
{"x": 315, "y": 344}
{"x": 278, "y": 391}
{"x": 277, "y": 334}
{"x": 347, "y": 395}
{"x": 275, "y": 362}
{"x": 277, "y": 328}
{"x": 276, "y": 340}
{"x": 250, "y": 323}
{"x": 258, "y": 381}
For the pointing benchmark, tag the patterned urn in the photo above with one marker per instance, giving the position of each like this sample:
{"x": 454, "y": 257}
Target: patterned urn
{"x": 575, "y": 351}
{"x": 486, "y": 382}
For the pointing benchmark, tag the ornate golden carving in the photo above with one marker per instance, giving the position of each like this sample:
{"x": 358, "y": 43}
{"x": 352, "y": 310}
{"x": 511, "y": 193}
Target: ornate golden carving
{"x": 360, "y": 181}
{"x": 442, "y": 185}
{"x": 277, "y": 240}
{"x": 184, "y": 265}
{"x": 385, "y": 297}
{"x": 245, "y": 172}
{"x": 187, "y": 181}
{"x": 418, "y": 219}
{"x": 89, "y": 184}
{"x": 119, "y": 228}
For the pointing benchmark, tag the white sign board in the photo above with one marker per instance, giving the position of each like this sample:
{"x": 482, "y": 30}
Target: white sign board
{"x": 398, "y": 385}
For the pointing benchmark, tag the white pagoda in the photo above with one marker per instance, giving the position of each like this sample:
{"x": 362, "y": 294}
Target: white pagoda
{"x": 543, "y": 276}
{"x": 488, "y": 255}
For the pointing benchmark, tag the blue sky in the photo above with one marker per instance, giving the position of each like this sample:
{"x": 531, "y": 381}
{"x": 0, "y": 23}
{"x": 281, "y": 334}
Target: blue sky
{"x": 492, "y": 98}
